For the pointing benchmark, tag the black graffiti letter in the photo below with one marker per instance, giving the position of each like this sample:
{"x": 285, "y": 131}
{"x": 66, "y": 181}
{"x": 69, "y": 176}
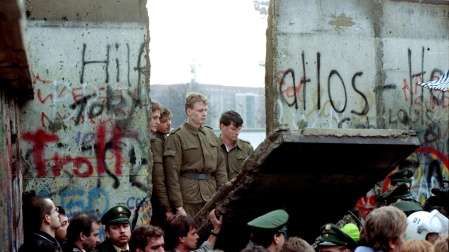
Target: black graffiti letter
{"x": 366, "y": 108}
{"x": 295, "y": 102}
{"x": 329, "y": 91}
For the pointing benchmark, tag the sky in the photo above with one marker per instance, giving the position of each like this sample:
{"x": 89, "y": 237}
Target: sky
{"x": 224, "y": 40}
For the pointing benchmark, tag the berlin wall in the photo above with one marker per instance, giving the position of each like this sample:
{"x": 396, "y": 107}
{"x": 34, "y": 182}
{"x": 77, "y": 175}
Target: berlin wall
{"x": 353, "y": 64}
{"x": 84, "y": 136}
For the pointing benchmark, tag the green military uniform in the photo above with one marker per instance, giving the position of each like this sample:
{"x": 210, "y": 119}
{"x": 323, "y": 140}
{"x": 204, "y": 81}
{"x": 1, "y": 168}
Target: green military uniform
{"x": 332, "y": 236}
{"x": 409, "y": 207}
{"x": 159, "y": 199}
{"x": 235, "y": 156}
{"x": 401, "y": 176}
{"x": 274, "y": 221}
{"x": 116, "y": 215}
{"x": 194, "y": 166}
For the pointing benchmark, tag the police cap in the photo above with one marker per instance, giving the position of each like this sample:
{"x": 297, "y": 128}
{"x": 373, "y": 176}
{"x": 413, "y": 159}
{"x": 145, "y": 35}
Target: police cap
{"x": 116, "y": 215}
{"x": 275, "y": 220}
{"x": 403, "y": 175}
{"x": 331, "y": 235}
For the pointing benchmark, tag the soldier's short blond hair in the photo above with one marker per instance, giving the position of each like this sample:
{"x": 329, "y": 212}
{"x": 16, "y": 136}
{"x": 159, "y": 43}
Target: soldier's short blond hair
{"x": 194, "y": 97}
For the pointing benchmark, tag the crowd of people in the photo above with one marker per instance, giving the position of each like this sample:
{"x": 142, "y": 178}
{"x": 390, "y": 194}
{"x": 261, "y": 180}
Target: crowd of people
{"x": 189, "y": 164}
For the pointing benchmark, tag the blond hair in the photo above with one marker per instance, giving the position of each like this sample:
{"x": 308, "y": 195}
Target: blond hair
{"x": 194, "y": 97}
{"x": 415, "y": 245}
{"x": 441, "y": 245}
{"x": 155, "y": 105}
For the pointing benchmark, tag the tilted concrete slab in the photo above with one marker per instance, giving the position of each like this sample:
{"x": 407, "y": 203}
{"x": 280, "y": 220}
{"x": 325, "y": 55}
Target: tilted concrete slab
{"x": 316, "y": 175}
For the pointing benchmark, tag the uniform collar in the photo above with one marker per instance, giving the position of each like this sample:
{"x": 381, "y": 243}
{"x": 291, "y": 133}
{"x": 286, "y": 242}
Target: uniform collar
{"x": 193, "y": 129}
{"x": 160, "y": 135}
{"x": 236, "y": 143}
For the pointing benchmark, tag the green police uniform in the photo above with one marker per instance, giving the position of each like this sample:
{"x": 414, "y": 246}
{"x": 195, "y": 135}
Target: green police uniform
{"x": 409, "y": 207}
{"x": 159, "y": 198}
{"x": 194, "y": 167}
{"x": 235, "y": 156}
{"x": 332, "y": 236}
{"x": 274, "y": 221}
{"x": 116, "y": 215}
{"x": 401, "y": 176}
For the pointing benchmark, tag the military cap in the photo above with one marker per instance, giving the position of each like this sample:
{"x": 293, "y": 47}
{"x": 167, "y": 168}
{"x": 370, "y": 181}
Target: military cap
{"x": 400, "y": 192}
{"x": 409, "y": 207}
{"x": 275, "y": 220}
{"x": 116, "y": 215}
{"x": 331, "y": 235}
{"x": 381, "y": 198}
{"x": 403, "y": 175}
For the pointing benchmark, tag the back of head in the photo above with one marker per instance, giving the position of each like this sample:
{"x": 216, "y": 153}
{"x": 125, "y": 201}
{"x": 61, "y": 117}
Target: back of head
{"x": 177, "y": 226}
{"x": 441, "y": 245}
{"x": 296, "y": 244}
{"x": 81, "y": 222}
{"x": 231, "y": 116}
{"x": 414, "y": 245}
{"x": 34, "y": 210}
{"x": 194, "y": 97}
{"x": 142, "y": 234}
{"x": 383, "y": 225}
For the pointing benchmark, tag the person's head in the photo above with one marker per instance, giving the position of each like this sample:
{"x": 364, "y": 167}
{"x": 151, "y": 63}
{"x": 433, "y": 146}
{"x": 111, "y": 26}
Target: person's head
{"x": 401, "y": 177}
{"x": 196, "y": 108}
{"x": 296, "y": 244}
{"x": 441, "y": 245}
{"x": 414, "y": 245}
{"x": 165, "y": 121}
{"x": 83, "y": 230}
{"x": 230, "y": 124}
{"x": 147, "y": 238}
{"x": 155, "y": 115}
{"x": 269, "y": 230}
{"x": 180, "y": 232}
{"x": 384, "y": 229}
{"x": 333, "y": 239}
{"x": 117, "y": 228}
{"x": 42, "y": 214}
{"x": 62, "y": 230}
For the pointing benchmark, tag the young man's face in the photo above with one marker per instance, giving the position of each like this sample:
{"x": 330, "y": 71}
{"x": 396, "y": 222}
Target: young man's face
{"x": 191, "y": 240}
{"x": 197, "y": 114}
{"x": 91, "y": 241}
{"x": 119, "y": 234}
{"x": 62, "y": 230}
{"x": 155, "y": 115}
{"x": 230, "y": 132}
{"x": 164, "y": 125}
{"x": 154, "y": 245}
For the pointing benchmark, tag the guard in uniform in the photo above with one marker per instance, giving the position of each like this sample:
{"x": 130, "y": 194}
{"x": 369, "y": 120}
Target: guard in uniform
{"x": 334, "y": 239}
{"x": 401, "y": 177}
{"x": 269, "y": 230}
{"x": 234, "y": 149}
{"x": 194, "y": 165}
{"x": 117, "y": 228}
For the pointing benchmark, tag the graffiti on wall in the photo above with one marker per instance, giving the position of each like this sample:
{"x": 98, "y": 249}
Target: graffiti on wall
{"x": 85, "y": 144}
{"x": 413, "y": 107}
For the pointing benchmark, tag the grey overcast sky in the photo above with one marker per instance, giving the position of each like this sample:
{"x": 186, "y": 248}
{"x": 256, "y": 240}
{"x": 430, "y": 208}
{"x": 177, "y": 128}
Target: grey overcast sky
{"x": 224, "y": 40}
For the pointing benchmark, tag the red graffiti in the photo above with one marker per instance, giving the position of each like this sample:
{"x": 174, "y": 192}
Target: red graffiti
{"x": 82, "y": 166}
{"x": 40, "y": 139}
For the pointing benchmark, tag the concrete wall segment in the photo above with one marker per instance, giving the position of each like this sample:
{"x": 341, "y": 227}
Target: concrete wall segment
{"x": 353, "y": 64}
{"x": 85, "y": 135}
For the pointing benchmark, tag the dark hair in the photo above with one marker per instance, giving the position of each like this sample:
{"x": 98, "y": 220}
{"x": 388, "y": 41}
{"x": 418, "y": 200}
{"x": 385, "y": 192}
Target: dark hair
{"x": 34, "y": 210}
{"x": 142, "y": 235}
{"x": 231, "y": 116}
{"x": 263, "y": 237}
{"x": 61, "y": 210}
{"x": 82, "y": 222}
{"x": 254, "y": 249}
{"x": 177, "y": 226}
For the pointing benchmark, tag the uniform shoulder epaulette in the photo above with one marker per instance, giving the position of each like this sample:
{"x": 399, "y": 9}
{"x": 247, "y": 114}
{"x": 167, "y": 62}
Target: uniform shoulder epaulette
{"x": 245, "y": 141}
{"x": 174, "y": 131}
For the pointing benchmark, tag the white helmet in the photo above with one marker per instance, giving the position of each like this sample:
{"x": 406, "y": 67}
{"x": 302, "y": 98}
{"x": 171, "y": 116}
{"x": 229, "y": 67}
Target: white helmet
{"x": 420, "y": 223}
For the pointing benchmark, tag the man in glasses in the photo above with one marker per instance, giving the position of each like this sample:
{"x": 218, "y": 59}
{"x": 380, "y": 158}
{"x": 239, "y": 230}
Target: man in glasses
{"x": 41, "y": 216}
